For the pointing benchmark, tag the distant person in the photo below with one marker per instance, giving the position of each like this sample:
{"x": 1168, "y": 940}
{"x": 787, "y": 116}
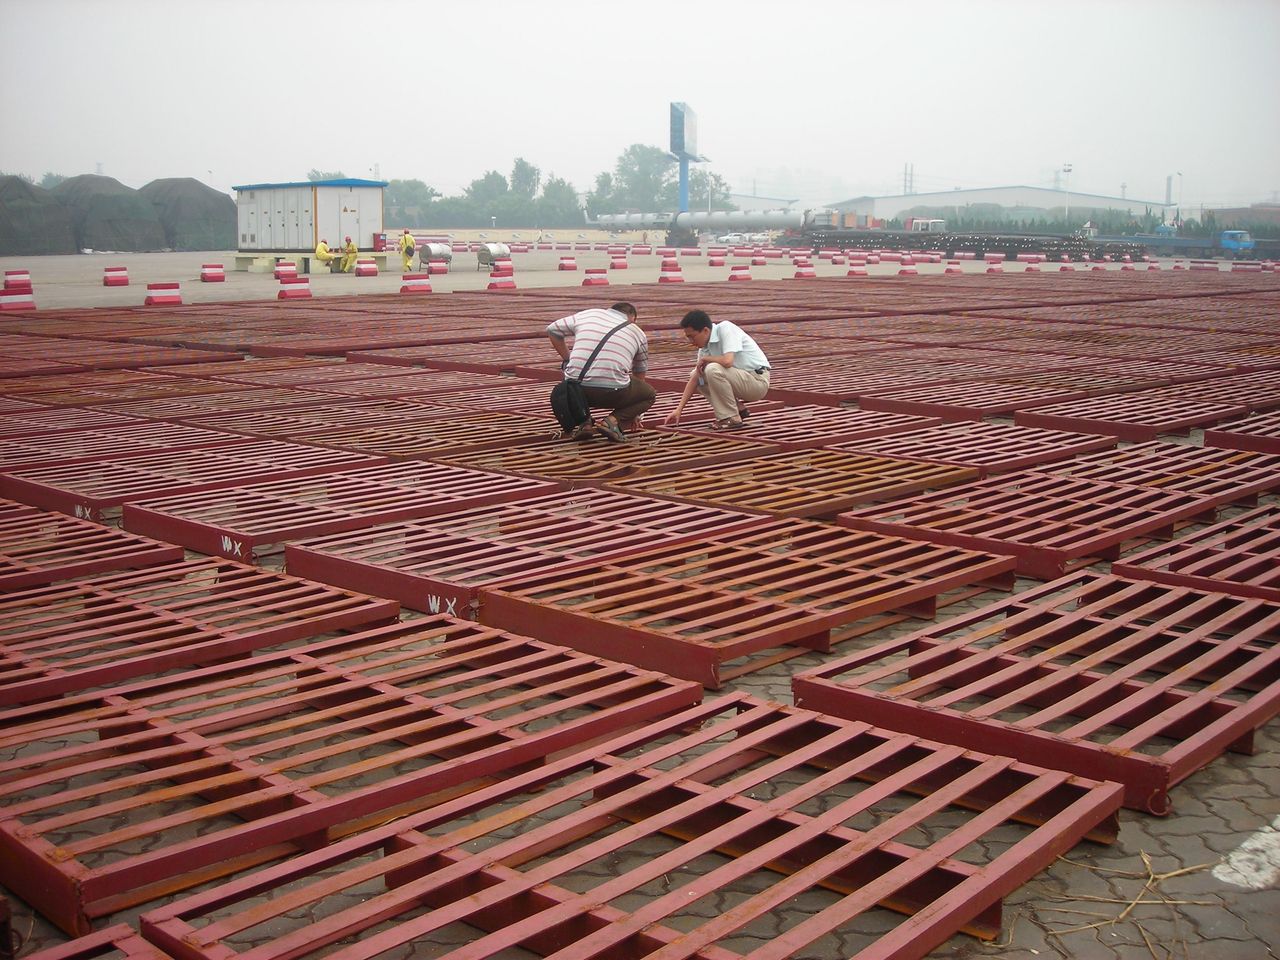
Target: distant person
{"x": 731, "y": 370}
{"x": 325, "y": 255}
{"x": 349, "y": 254}
{"x": 615, "y": 378}
{"x": 407, "y": 246}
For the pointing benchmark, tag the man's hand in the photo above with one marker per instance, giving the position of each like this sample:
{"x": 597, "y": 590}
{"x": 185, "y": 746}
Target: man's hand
{"x": 671, "y": 419}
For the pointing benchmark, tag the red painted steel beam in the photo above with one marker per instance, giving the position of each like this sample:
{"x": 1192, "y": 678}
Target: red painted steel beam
{"x": 38, "y": 548}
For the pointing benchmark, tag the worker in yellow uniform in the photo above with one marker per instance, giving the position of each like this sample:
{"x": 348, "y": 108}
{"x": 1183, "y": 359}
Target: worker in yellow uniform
{"x": 349, "y": 254}
{"x": 324, "y": 255}
{"x": 407, "y": 246}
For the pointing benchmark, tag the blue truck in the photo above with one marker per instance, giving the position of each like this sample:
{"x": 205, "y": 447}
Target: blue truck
{"x": 1164, "y": 242}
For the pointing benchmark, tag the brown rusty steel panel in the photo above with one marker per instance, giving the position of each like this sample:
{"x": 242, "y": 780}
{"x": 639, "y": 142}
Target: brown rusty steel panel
{"x": 415, "y": 383}
{"x": 1260, "y": 433}
{"x": 11, "y": 508}
{"x": 970, "y": 401}
{"x": 81, "y": 633}
{"x": 245, "y": 398}
{"x": 646, "y": 454}
{"x": 494, "y": 357}
{"x": 515, "y": 396}
{"x": 13, "y": 405}
{"x": 1051, "y": 524}
{"x": 685, "y": 838}
{"x": 60, "y": 420}
{"x": 439, "y": 563}
{"x": 30, "y": 387}
{"x": 1135, "y": 416}
{"x": 698, "y": 610}
{"x": 38, "y": 548}
{"x": 1223, "y": 476}
{"x": 1134, "y": 681}
{"x": 987, "y": 447}
{"x": 116, "y": 797}
{"x": 1257, "y": 391}
{"x": 118, "y": 942}
{"x": 831, "y": 384}
{"x": 298, "y": 423}
{"x": 440, "y": 433}
{"x": 811, "y": 425}
{"x": 230, "y": 370}
{"x": 314, "y": 376}
{"x": 138, "y": 437}
{"x": 1239, "y": 556}
{"x": 245, "y": 522}
{"x": 88, "y": 490}
{"x": 805, "y": 483}
{"x": 153, "y": 388}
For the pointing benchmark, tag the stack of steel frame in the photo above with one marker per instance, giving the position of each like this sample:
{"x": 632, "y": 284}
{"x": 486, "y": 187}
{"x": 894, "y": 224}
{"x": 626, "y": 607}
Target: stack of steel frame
{"x": 102, "y": 629}
{"x": 1239, "y": 556}
{"x": 860, "y": 823}
{"x": 988, "y": 397}
{"x": 53, "y": 420}
{"x": 230, "y": 370}
{"x": 801, "y": 426}
{"x": 248, "y": 522}
{"x": 705, "y": 609}
{"x": 1133, "y": 681}
{"x": 1051, "y": 524}
{"x": 299, "y": 423}
{"x": 1260, "y": 433}
{"x": 184, "y": 408}
{"x": 134, "y": 438}
{"x": 800, "y": 483}
{"x": 409, "y": 383}
{"x": 1132, "y": 416}
{"x": 150, "y": 787}
{"x": 439, "y": 563}
{"x": 39, "y": 547}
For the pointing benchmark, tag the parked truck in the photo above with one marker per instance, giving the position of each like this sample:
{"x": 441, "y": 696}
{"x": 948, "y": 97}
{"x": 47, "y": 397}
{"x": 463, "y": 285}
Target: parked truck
{"x": 1165, "y": 242}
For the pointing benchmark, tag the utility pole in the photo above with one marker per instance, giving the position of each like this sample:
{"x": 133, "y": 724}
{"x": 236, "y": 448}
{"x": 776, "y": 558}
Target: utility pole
{"x": 1123, "y": 188}
{"x": 1066, "y": 168}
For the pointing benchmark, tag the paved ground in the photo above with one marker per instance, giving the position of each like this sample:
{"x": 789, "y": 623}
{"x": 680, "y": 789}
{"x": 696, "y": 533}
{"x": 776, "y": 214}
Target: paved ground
{"x": 1200, "y": 883}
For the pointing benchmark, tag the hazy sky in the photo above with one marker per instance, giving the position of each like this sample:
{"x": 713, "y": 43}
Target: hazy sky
{"x": 820, "y": 101}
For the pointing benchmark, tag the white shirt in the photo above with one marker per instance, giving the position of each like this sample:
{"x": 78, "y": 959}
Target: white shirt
{"x": 728, "y": 337}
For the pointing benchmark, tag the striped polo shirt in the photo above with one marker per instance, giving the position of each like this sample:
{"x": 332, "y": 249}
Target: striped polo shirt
{"x": 626, "y": 352}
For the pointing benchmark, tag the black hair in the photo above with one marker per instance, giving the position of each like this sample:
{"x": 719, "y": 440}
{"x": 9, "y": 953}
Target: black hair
{"x": 623, "y": 307}
{"x": 696, "y": 320}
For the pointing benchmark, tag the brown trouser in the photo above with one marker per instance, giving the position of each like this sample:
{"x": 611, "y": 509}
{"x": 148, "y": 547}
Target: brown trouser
{"x": 625, "y": 403}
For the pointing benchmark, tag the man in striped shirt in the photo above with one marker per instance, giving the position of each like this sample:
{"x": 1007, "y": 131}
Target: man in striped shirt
{"x": 615, "y": 378}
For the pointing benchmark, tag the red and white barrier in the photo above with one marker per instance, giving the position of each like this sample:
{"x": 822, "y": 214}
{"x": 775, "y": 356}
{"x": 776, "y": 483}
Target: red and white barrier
{"x": 17, "y": 280}
{"x": 872, "y": 258}
{"x": 856, "y": 271}
{"x": 837, "y": 259}
{"x": 954, "y": 269}
{"x": 1128, "y": 267}
{"x": 758, "y": 261}
{"x": 285, "y": 269}
{"x": 1152, "y": 266}
{"x": 503, "y": 268}
{"x": 740, "y": 271}
{"x": 1031, "y": 268}
{"x": 1067, "y": 268}
{"x": 617, "y": 263}
{"x": 1098, "y": 268}
{"x": 690, "y": 252}
{"x": 670, "y": 265}
{"x": 993, "y": 257}
{"x": 501, "y": 280}
{"x": 994, "y": 267}
{"x": 115, "y": 276}
{"x": 212, "y": 273}
{"x": 596, "y": 277}
{"x": 715, "y": 261}
{"x": 366, "y": 268}
{"x": 1204, "y": 265}
{"x": 669, "y": 275}
{"x": 909, "y": 270}
{"x": 568, "y": 263}
{"x": 643, "y": 250}
{"x": 13, "y": 299}
{"x": 965, "y": 255}
{"x": 437, "y": 268}
{"x": 415, "y": 283}
{"x": 163, "y": 295}
{"x": 1252, "y": 266}
{"x": 805, "y": 272}
{"x": 294, "y": 288}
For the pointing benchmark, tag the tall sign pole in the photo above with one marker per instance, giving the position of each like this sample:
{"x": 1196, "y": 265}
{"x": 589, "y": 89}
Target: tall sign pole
{"x": 684, "y": 146}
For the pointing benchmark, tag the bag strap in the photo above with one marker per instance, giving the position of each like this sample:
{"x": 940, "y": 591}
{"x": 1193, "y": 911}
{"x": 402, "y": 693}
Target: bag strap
{"x": 596, "y": 352}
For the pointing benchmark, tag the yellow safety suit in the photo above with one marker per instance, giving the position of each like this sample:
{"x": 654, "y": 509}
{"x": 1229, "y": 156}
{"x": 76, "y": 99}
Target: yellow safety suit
{"x": 406, "y": 250}
{"x": 349, "y": 254}
{"x": 325, "y": 255}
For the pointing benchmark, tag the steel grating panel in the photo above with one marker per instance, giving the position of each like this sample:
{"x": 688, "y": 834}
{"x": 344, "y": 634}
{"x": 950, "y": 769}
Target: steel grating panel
{"x": 155, "y": 786}
{"x": 246, "y": 398}
{"x": 1240, "y": 556}
{"x": 299, "y": 423}
{"x": 439, "y": 563}
{"x": 681, "y": 839}
{"x": 89, "y": 490}
{"x": 1051, "y": 524}
{"x": 987, "y": 447}
{"x": 450, "y": 433}
{"x": 701, "y": 610}
{"x": 808, "y": 483}
{"x": 1134, "y": 416}
{"x": 118, "y": 942}
{"x": 84, "y": 446}
{"x": 246, "y": 522}
{"x": 808, "y": 425}
{"x": 644, "y": 455}
{"x": 408, "y": 384}
{"x": 1223, "y": 476}
{"x": 81, "y": 633}
{"x": 1260, "y": 433}
{"x": 1134, "y": 681}
{"x": 969, "y": 401}
{"x": 60, "y": 420}
{"x": 38, "y": 548}
{"x": 11, "y": 508}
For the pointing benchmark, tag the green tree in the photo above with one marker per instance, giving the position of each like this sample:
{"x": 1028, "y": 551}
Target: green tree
{"x": 600, "y": 198}
{"x": 51, "y": 180}
{"x": 313, "y": 175}
{"x": 700, "y": 182}
{"x": 487, "y": 190}
{"x": 20, "y": 176}
{"x": 525, "y": 179}
{"x": 558, "y": 206}
{"x": 641, "y": 177}
{"x": 407, "y": 202}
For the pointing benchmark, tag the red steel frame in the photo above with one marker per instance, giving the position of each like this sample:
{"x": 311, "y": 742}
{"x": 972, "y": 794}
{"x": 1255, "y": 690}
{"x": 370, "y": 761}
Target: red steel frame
{"x": 810, "y": 425}
{"x": 138, "y": 438}
{"x": 61, "y": 420}
{"x": 104, "y": 629}
{"x": 1240, "y": 556}
{"x": 1260, "y": 433}
{"x": 674, "y": 809}
{"x": 1133, "y": 681}
{"x": 1133, "y": 416}
{"x": 244, "y": 523}
{"x": 118, "y": 942}
{"x": 439, "y": 563}
{"x": 699, "y": 610}
{"x": 1051, "y": 524}
{"x": 113, "y": 798}
{"x": 38, "y": 548}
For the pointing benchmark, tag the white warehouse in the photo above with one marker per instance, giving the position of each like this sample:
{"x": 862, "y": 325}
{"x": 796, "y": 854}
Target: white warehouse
{"x": 288, "y": 217}
{"x": 1016, "y": 198}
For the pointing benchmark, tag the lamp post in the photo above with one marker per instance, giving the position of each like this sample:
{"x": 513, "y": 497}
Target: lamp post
{"x": 1066, "y": 168}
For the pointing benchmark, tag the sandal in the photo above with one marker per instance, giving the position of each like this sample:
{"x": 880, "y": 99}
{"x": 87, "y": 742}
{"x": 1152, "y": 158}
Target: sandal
{"x": 728, "y": 423}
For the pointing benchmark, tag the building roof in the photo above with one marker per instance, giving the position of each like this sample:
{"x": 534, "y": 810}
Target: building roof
{"x": 346, "y": 182}
{"x": 1017, "y": 186}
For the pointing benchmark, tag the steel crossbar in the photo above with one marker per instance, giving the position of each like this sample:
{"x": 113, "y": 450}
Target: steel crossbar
{"x": 806, "y": 483}
{"x": 972, "y": 400}
{"x": 1223, "y": 476}
{"x": 1135, "y": 416}
{"x": 91, "y": 489}
{"x": 60, "y": 420}
{"x": 1051, "y": 524}
{"x": 437, "y": 434}
{"x": 83, "y": 446}
{"x": 246, "y": 398}
{"x": 118, "y": 942}
{"x": 38, "y": 548}
{"x": 681, "y": 839}
{"x": 115, "y": 797}
{"x": 1260, "y": 433}
{"x": 249, "y": 521}
{"x": 1134, "y": 681}
{"x": 416, "y": 383}
{"x": 809, "y": 425}
{"x": 1239, "y": 556}
{"x": 439, "y": 563}
{"x": 987, "y": 447}
{"x": 702, "y": 610}
{"x": 110, "y": 627}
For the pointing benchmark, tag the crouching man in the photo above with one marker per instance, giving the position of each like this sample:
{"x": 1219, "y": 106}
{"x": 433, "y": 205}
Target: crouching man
{"x": 731, "y": 370}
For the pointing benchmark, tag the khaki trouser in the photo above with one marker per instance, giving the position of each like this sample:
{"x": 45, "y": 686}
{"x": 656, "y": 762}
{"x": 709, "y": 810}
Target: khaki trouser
{"x": 726, "y": 386}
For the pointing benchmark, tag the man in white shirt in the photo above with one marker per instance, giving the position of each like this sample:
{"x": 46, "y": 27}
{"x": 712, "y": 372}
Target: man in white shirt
{"x": 731, "y": 370}
{"x": 615, "y": 379}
